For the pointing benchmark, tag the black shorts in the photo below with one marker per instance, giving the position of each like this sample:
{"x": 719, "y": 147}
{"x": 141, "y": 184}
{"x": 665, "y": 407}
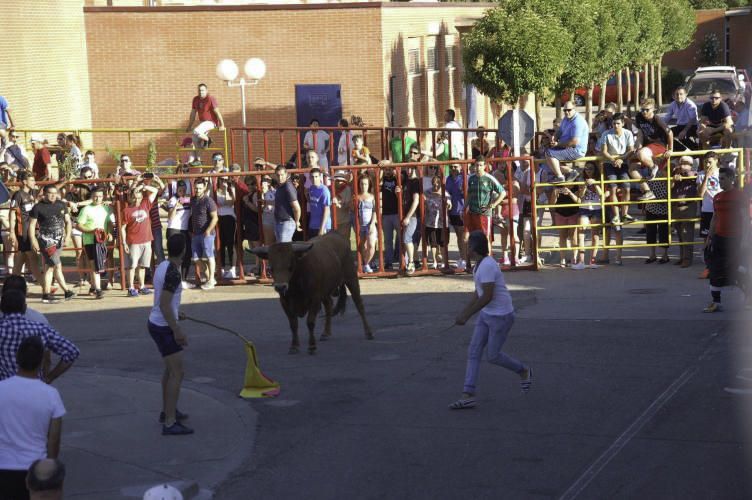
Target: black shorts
{"x": 24, "y": 245}
{"x": 705, "y": 218}
{"x": 91, "y": 254}
{"x": 13, "y": 484}
{"x": 723, "y": 261}
{"x": 164, "y": 338}
{"x": 435, "y": 236}
{"x": 456, "y": 220}
{"x": 527, "y": 209}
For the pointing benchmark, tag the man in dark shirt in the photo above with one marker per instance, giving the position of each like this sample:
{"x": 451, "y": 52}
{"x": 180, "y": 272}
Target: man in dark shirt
{"x": 20, "y": 206}
{"x": 203, "y": 220}
{"x": 715, "y": 122}
{"x": 654, "y": 140}
{"x": 389, "y": 215}
{"x": 51, "y": 217}
{"x": 286, "y": 208}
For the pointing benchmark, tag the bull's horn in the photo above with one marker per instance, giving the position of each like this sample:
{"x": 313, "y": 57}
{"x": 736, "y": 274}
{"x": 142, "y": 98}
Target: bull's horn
{"x": 298, "y": 247}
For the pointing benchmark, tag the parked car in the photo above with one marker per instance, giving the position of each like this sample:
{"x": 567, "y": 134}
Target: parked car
{"x": 612, "y": 91}
{"x": 726, "y": 79}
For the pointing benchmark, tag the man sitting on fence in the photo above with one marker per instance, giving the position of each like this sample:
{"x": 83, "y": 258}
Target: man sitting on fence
{"x": 205, "y": 107}
{"x": 684, "y": 111}
{"x": 654, "y": 140}
{"x": 617, "y": 145}
{"x": 569, "y": 143}
{"x": 715, "y": 122}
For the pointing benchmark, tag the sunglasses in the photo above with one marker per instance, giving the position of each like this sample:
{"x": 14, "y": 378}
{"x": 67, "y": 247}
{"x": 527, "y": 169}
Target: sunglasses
{"x": 567, "y": 110}
{"x": 715, "y": 97}
{"x": 125, "y": 160}
{"x": 646, "y": 110}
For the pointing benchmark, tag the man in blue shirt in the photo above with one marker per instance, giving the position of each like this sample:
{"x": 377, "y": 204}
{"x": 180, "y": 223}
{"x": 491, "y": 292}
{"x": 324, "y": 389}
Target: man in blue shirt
{"x": 570, "y": 143}
{"x": 5, "y": 119}
{"x": 683, "y": 111}
{"x": 319, "y": 205}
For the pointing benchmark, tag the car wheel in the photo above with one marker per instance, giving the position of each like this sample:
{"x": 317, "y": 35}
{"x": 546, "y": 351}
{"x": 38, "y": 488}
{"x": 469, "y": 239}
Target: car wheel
{"x": 579, "y": 100}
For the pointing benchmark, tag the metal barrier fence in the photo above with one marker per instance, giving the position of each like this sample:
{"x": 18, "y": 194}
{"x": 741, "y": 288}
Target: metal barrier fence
{"x": 603, "y": 205}
{"x": 168, "y": 143}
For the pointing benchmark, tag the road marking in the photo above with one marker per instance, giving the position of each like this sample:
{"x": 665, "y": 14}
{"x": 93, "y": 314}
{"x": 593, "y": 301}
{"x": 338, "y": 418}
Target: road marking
{"x": 591, "y": 472}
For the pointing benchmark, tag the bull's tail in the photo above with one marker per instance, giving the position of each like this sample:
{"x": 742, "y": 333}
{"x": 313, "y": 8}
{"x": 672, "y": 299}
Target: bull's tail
{"x": 341, "y": 301}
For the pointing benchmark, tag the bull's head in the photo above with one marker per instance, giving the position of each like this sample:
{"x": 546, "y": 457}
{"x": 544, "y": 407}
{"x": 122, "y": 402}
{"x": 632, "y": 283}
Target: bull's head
{"x": 283, "y": 257}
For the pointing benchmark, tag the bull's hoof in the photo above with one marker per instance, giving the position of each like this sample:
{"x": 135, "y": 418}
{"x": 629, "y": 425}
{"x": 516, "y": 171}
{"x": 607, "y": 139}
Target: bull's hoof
{"x": 325, "y": 336}
{"x": 293, "y": 350}
{"x": 312, "y": 350}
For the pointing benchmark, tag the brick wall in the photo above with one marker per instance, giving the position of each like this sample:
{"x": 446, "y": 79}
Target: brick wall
{"x": 708, "y": 21}
{"x": 741, "y": 41}
{"x": 45, "y": 74}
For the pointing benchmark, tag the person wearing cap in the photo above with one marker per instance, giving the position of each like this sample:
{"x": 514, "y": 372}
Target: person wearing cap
{"x": 42, "y": 159}
{"x": 683, "y": 185}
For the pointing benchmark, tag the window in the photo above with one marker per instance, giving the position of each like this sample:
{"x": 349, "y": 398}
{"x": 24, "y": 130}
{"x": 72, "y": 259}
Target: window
{"x": 432, "y": 59}
{"x": 413, "y": 56}
{"x": 450, "y": 50}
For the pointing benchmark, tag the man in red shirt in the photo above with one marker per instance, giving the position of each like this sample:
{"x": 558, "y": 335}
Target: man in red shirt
{"x": 206, "y": 109}
{"x": 42, "y": 159}
{"x": 727, "y": 231}
{"x": 136, "y": 235}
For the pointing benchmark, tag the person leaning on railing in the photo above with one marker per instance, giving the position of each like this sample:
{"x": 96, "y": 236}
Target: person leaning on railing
{"x": 684, "y": 186}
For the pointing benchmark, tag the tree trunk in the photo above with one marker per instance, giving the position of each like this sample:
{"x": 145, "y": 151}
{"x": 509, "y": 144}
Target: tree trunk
{"x": 602, "y": 100}
{"x": 636, "y": 100}
{"x": 619, "y": 95}
{"x": 659, "y": 83}
{"x": 646, "y": 86}
{"x": 653, "y": 78}
{"x": 589, "y": 105}
{"x": 557, "y": 103}
{"x": 538, "y": 113}
{"x": 629, "y": 85}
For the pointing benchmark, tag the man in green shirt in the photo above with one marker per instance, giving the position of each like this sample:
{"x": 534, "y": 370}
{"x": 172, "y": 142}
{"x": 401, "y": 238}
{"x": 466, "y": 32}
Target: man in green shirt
{"x": 94, "y": 222}
{"x": 484, "y": 192}
{"x": 396, "y": 145}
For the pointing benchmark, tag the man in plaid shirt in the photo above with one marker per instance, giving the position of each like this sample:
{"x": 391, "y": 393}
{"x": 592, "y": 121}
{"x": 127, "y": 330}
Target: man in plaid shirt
{"x": 14, "y": 327}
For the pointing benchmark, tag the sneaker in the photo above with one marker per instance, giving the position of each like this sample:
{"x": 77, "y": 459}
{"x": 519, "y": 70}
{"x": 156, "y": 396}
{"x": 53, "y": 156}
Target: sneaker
{"x": 506, "y": 260}
{"x": 232, "y": 273}
{"x": 628, "y": 218}
{"x": 573, "y": 175}
{"x": 145, "y": 291}
{"x": 434, "y": 265}
{"x": 98, "y": 294}
{"x": 714, "y": 307}
{"x": 132, "y": 292}
{"x": 69, "y": 294}
{"x": 527, "y": 382}
{"x": 209, "y": 285}
{"x": 524, "y": 259}
{"x": 225, "y": 274}
{"x": 579, "y": 266}
{"x": 559, "y": 179}
{"x": 460, "y": 265}
{"x": 48, "y": 298}
{"x": 647, "y": 195}
{"x": 176, "y": 429}
{"x": 185, "y": 285}
{"x": 179, "y": 415}
{"x": 367, "y": 269}
{"x": 411, "y": 269}
{"x": 616, "y": 221}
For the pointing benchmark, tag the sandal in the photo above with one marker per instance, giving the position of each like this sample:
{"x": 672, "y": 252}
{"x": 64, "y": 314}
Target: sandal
{"x": 527, "y": 382}
{"x": 650, "y": 260}
{"x": 463, "y": 404}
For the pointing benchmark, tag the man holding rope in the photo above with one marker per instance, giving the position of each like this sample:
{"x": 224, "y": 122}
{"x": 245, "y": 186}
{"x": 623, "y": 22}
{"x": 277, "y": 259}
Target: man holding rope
{"x": 165, "y": 330}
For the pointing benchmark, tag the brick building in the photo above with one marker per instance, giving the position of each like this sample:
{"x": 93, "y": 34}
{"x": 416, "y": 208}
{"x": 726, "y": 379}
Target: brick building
{"x": 137, "y": 67}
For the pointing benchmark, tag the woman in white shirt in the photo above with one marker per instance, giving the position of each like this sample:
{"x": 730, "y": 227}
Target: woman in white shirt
{"x": 178, "y": 220}
{"x": 227, "y": 225}
{"x": 492, "y": 299}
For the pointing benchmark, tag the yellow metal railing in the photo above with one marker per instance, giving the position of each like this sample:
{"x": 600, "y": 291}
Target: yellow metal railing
{"x": 604, "y": 226}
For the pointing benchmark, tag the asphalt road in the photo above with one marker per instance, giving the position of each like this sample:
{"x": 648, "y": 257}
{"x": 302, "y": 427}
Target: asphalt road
{"x": 637, "y": 394}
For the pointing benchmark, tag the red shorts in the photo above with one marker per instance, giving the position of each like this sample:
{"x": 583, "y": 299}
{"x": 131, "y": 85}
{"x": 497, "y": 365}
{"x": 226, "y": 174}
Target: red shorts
{"x": 477, "y": 222}
{"x": 656, "y": 149}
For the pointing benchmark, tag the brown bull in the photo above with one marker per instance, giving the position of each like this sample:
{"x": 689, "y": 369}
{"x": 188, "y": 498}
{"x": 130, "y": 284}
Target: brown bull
{"x": 306, "y": 275}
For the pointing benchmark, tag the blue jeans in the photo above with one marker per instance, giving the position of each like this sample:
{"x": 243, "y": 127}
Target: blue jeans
{"x": 284, "y": 231}
{"x": 491, "y": 331}
{"x": 391, "y": 225}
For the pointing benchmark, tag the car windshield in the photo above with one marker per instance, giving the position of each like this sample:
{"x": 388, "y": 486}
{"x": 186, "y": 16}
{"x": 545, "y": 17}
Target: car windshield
{"x": 702, "y": 86}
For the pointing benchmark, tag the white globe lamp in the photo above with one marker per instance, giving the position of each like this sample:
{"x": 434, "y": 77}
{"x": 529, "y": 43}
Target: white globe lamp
{"x": 227, "y": 70}
{"x": 255, "y": 68}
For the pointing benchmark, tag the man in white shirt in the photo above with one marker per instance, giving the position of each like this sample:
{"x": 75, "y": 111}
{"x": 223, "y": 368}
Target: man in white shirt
{"x": 457, "y": 139}
{"x": 616, "y": 145}
{"x": 31, "y": 418}
{"x": 492, "y": 299}
{"x": 318, "y": 140}
{"x": 345, "y": 144}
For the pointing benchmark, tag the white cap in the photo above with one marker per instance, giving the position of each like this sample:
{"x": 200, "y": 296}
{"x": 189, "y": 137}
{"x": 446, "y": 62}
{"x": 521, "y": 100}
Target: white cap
{"x": 36, "y": 137}
{"x": 163, "y": 492}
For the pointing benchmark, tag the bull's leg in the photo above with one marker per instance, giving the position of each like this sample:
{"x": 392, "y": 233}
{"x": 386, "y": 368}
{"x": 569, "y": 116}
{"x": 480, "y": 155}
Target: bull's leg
{"x": 354, "y": 287}
{"x": 293, "y": 319}
{"x": 328, "y": 321}
{"x": 311, "y": 322}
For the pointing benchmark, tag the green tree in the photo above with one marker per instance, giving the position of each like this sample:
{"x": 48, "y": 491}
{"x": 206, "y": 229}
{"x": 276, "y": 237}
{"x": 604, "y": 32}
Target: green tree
{"x": 510, "y": 53}
{"x": 679, "y": 26}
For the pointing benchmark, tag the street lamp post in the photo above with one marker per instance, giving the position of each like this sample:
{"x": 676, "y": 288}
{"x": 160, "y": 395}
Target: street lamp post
{"x": 254, "y": 69}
